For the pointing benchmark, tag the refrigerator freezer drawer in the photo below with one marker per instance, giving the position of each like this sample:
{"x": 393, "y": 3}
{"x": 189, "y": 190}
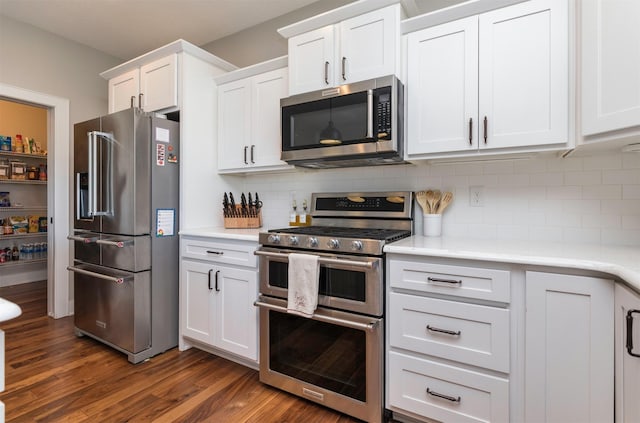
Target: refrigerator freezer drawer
{"x": 113, "y": 306}
{"x": 128, "y": 253}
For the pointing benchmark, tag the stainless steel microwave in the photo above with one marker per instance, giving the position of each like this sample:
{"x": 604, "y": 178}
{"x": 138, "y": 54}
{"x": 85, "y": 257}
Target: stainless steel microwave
{"x": 359, "y": 124}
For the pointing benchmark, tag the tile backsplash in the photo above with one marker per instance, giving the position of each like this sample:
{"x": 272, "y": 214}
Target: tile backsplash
{"x": 576, "y": 199}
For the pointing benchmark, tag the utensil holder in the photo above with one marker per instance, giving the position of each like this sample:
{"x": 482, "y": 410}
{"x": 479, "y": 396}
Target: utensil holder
{"x": 432, "y": 225}
{"x": 253, "y": 220}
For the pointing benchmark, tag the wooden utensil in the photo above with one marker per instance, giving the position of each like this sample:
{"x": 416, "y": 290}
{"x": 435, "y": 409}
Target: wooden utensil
{"x": 447, "y": 197}
{"x": 421, "y": 198}
{"x": 433, "y": 199}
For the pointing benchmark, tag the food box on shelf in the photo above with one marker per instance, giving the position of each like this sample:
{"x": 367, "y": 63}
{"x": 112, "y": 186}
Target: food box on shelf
{"x": 18, "y": 170}
{"x": 20, "y": 224}
{"x": 4, "y": 199}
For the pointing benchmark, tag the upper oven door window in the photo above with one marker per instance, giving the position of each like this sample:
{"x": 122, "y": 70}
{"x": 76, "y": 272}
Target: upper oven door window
{"x": 340, "y": 120}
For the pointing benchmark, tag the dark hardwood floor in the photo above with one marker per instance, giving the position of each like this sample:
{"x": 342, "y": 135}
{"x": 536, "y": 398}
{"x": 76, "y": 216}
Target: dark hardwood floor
{"x": 53, "y": 376}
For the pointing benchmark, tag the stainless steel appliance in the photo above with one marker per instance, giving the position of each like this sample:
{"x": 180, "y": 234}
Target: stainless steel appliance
{"x": 335, "y": 358}
{"x": 126, "y": 186}
{"x": 359, "y": 124}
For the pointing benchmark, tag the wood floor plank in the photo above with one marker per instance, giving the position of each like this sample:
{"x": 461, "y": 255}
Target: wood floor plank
{"x": 54, "y": 376}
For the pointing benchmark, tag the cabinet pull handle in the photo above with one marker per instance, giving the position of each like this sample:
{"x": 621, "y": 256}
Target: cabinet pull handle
{"x": 485, "y": 129}
{"x": 209, "y": 280}
{"x": 217, "y": 289}
{"x": 326, "y": 72}
{"x": 344, "y": 68}
{"x": 245, "y": 155}
{"x": 445, "y": 331}
{"x": 630, "y": 332}
{"x": 443, "y": 396}
{"x": 470, "y": 131}
{"x": 218, "y": 253}
{"x": 438, "y": 280}
{"x": 140, "y": 100}
{"x": 252, "y": 148}
{"x": 133, "y": 98}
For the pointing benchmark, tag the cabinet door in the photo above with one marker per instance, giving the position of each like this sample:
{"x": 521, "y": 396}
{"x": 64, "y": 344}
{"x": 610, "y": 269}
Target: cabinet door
{"x": 159, "y": 84}
{"x": 442, "y": 74}
{"x": 627, "y": 366}
{"x": 196, "y": 301}
{"x": 368, "y": 46}
{"x": 236, "y": 316}
{"x": 523, "y": 75}
{"x": 311, "y": 60}
{"x": 267, "y": 90}
{"x": 234, "y": 124}
{"x": 569, "y": 355}
{"x": 610, "y": 65}
{"x": 121, "y": 90}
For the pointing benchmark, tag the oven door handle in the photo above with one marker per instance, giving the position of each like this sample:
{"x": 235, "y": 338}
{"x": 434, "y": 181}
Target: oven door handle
{"x": 322, "y": 318}
{"x": 321, "y": 260}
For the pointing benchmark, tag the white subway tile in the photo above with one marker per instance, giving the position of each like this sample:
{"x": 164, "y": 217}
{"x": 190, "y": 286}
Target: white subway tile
{"x": 569, "y": 164}
{"x": 621, "y": 207}
{"x": 627, "y": 176}
{"x": 530, "y": 166}
{"x": 610, "y": 192}
{"x": 587, "y": 235}
{"x": 512, "y": 232}
{"x": 601, "y": 161}
{"x": 593, "y": 177}
{"x": 631, "y": 192}
{"x": 547, "y": 178}
{"x": 498, "y": 167}
{"x": 581, "y": 206}
{"x": 631, "y": 221}
{"x": 630, "y": 237}
{"x": 515, "y": 180}
{"x": 605, "y": 221}
{"x": 468, "y": 169}
{"x": 566, "y": 192}
{"x": 631, "y": 161}
{"x": 545, "y": 233}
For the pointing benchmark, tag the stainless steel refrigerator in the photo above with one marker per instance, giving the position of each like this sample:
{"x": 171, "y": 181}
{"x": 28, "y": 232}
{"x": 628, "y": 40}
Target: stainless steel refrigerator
{"x": 126, "y": 251}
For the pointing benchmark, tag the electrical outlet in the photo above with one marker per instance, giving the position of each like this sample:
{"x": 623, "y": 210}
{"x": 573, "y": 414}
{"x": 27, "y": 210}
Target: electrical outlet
{"x": 476, "y": 196}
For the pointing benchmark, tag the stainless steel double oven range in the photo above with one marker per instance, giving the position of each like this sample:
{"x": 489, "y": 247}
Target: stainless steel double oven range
{"x": 335, "y": 358}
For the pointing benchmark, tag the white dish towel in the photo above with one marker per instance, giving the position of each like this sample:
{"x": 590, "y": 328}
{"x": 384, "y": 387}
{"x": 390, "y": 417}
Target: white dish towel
{"x": 303, "y": 284}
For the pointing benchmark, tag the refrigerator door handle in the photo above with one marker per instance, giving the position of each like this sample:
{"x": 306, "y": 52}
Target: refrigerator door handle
{"x": 83, "y": 239}
{"x": 118, "y": 244}
{"x": 93, "y": 174}
{"x": 117, "y": 279}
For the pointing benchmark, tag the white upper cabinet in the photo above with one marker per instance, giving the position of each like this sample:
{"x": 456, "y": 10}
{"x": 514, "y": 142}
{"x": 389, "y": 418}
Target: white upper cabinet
{"x": 249, "y": 122}
{"x": 152, "y": 87}
{"x": 610, "y": 65}
{"x": 493, "y": 81}
{"x": 443, "y": 87}
{"x": 355, "y": 49}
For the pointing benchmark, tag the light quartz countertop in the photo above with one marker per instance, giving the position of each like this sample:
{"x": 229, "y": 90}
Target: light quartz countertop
{"x": 224, "y": 233}
{"x": 621, "y": 262}
{"x": 8, "y": 310}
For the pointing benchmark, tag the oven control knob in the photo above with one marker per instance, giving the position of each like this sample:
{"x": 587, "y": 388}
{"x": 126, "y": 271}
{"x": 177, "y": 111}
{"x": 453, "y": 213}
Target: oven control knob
{"x": 313, "y": 242}
{"x": 356, "y": 245}
{"x": 293, "y": 240}
{"x": 334, "y": 243}
{"x": 274, "y": 239}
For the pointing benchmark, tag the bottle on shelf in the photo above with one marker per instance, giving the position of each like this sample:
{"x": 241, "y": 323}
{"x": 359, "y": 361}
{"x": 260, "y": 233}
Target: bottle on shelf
{"x": 294, "y": 218}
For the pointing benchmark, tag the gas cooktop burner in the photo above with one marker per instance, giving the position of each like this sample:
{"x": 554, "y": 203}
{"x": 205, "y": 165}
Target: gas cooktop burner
{"x": 388, "y": 235}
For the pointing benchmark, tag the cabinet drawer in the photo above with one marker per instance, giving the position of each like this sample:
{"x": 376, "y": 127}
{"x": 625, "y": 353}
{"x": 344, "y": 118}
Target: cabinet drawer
{"x": 224, "y": 251}
{"x": 461, "y": 281}
{"x": 468, "y": 333}
{"x": 481, "y": 397}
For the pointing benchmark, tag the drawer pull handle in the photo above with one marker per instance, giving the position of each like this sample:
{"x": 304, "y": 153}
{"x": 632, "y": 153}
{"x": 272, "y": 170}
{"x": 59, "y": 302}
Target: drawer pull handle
{"x": 438, "y": 280}
{"x": 443, "y": 396}
{"x": 217, "y": 253}
{"x": 445, "y": 331}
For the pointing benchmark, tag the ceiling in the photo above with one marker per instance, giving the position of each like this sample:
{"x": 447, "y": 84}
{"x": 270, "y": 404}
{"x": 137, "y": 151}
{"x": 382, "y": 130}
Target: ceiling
{"x": 128, "y": 28}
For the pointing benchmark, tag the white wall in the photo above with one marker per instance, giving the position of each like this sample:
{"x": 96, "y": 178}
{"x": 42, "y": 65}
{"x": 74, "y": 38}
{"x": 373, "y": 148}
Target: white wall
{"x": 591, "y": 199}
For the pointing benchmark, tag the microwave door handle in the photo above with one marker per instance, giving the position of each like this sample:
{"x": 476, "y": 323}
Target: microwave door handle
{"x": 369, "y": 113}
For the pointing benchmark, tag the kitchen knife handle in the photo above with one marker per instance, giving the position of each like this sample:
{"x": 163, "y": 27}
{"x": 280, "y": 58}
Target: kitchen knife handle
{"x": 217, "y": 273}
{"x": 630, "y": 332}
{"x": 245, "y": 155}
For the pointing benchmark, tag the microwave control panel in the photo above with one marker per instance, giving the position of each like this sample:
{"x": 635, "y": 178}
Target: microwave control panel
{"x": 384, "y": 113}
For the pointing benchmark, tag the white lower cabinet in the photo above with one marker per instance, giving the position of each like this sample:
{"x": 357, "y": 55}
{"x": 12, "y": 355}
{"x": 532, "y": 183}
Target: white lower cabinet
{"x": 627, "y": 354}
{"x": 448, "y": 341}
{"x": 569, "y": 364}
{"x": 216, "y": 299}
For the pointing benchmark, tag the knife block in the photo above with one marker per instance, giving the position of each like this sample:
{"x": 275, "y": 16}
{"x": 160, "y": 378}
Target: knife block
{"x": 243, "y": 222}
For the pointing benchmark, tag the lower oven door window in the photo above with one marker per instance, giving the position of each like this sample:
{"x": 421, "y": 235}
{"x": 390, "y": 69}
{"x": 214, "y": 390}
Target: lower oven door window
{"x": 322, "y": 354}
{"x": 334, "y": 358}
